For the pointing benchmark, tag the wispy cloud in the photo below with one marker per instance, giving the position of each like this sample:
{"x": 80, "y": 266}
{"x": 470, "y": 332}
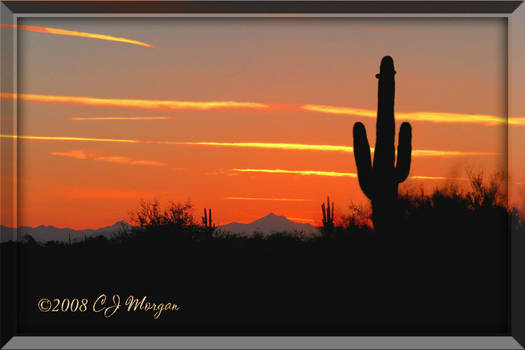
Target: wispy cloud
{"x": 343, "y": 174}
{"x": 118, "y": 118}
{"x": 297, "y": 172}
{"x": 133, "y": 103}
{"x": 419, "y": 177}
{"x": 273, "y": 145}
{"x": 58, "y": 31}
{"x": 67, "y": 138}
{"x": 434, "y": 117}
{"x": 302, "y": 220}
{"x": 329, "y": 173}
{"x": 268, "y": 199}
{"x": 261, "y": 145}
{"x": 82, "y": 154}
{"x": 331, "y": 148}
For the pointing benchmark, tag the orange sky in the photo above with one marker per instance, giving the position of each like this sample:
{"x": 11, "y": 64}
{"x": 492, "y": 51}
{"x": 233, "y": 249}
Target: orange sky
{"x": 246, "y": 116}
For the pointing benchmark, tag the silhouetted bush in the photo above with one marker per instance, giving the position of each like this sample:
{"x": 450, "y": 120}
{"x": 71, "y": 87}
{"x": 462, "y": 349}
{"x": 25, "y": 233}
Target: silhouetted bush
{"x": 150, "y": 215}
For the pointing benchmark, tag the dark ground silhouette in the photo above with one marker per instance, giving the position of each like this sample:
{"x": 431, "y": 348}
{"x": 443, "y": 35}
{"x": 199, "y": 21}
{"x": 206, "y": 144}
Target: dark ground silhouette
{"x": 437, "y": 264}
{"x": 444, "y": 270}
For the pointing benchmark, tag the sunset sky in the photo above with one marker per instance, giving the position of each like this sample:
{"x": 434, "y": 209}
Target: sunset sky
{"x": 246, "y": 116}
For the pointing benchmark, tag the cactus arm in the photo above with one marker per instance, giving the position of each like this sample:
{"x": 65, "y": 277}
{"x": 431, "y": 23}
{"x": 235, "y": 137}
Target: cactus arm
{"x": 328, "y": 209}
{"x": 404, "y": 153}
{"x": 328, "y": 217}
{"x": 324, "y": 214}
{"x": 362, "y": 159}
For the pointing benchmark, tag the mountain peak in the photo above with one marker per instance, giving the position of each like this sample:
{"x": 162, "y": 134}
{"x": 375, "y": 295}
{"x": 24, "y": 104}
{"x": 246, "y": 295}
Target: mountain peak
{"x": 273, "y": 216}
{"x": 268, "y": 224}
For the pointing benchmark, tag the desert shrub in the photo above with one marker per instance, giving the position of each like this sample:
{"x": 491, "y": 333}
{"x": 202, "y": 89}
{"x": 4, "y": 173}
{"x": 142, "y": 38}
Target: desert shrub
{"x": 150, "y": 215}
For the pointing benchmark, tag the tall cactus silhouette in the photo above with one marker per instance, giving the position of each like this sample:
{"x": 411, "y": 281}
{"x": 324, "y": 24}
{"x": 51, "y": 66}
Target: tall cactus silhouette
{"x": 328, "y": 217}
{"x": 207, "y": 221}
{"x": 380, "y": 181}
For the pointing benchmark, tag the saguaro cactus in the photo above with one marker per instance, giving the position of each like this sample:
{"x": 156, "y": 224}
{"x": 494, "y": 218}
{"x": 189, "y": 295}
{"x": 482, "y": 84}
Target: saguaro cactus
{"x": 380, "y": 181}
{"x": 207, "y": 220}
{"x": 328, "y": 217}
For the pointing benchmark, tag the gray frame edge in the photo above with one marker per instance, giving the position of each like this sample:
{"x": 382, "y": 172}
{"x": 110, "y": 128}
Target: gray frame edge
{"x": 516, "y": 91}
{"x": 8, "y": 261}
{"x": 265, "y": 6}
{"x": 263, "y": 343}
{"x": 8, "y": 338}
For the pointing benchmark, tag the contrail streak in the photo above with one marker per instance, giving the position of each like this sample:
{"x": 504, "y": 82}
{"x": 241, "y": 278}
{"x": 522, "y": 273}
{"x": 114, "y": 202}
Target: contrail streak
{"x": 301, "y": 219}
{"x": 418, "y": 177}
{"x": 119, "y": 118}
{"x": 437, "y": 153}
{"x": 268, "y": 199}
{"x": 341, "y": 110}
{"x": 434, "y": 117}
{"x": 57, "y": 31}
{"x": 129, "y": 103}
{"x": 297, "y": 172}
{"x": 331, "y": 148}
{"x": 329, "y": 173}
{"x": 81, "y": 154}
{"x": 283, "y": 146}
{"x": 63, "y": 138}
{"x": 261, "y": 145}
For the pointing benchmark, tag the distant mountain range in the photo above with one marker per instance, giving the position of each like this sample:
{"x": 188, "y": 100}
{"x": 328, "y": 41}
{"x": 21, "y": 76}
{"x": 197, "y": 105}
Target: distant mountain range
{"x": 269, "y": 224}
{"x": 51, "y": 233}
{"x": 266, "y": 225}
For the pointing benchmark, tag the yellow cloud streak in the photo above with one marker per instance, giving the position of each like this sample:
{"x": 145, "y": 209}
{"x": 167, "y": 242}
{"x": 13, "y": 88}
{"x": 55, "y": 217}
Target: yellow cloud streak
{"x": 297, "y": 172}
{"x": 119, "y": 118}
{"x": 301, "y": 219}
{"x": 65, "y": 138}
{"x": 268, "y": 199}
{"x": 330, "y": 173}
{"x": 434, "y": 117}
{"x": 81, "y": 154}
{"x": 57, "y": 31}
{"x": 129, "y": 103}
{"x": 282, "y": 146}
{"x": 262, "y": 145}
{"x": 331, "y": 148}
{"x": 419, "y": 177}
{"x": 437, "y": 153}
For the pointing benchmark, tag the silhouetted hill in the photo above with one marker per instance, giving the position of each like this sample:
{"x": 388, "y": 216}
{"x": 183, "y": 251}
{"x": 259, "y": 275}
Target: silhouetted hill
{"x": 45, "y": 233}
{"x": 269, "y": 224}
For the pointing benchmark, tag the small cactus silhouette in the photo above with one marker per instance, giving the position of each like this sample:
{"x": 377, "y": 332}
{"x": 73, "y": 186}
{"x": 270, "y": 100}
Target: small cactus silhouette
{"x": 328, "y": 217}
{"x": 380, "y": 181}
{"x": 207, "y": 221}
